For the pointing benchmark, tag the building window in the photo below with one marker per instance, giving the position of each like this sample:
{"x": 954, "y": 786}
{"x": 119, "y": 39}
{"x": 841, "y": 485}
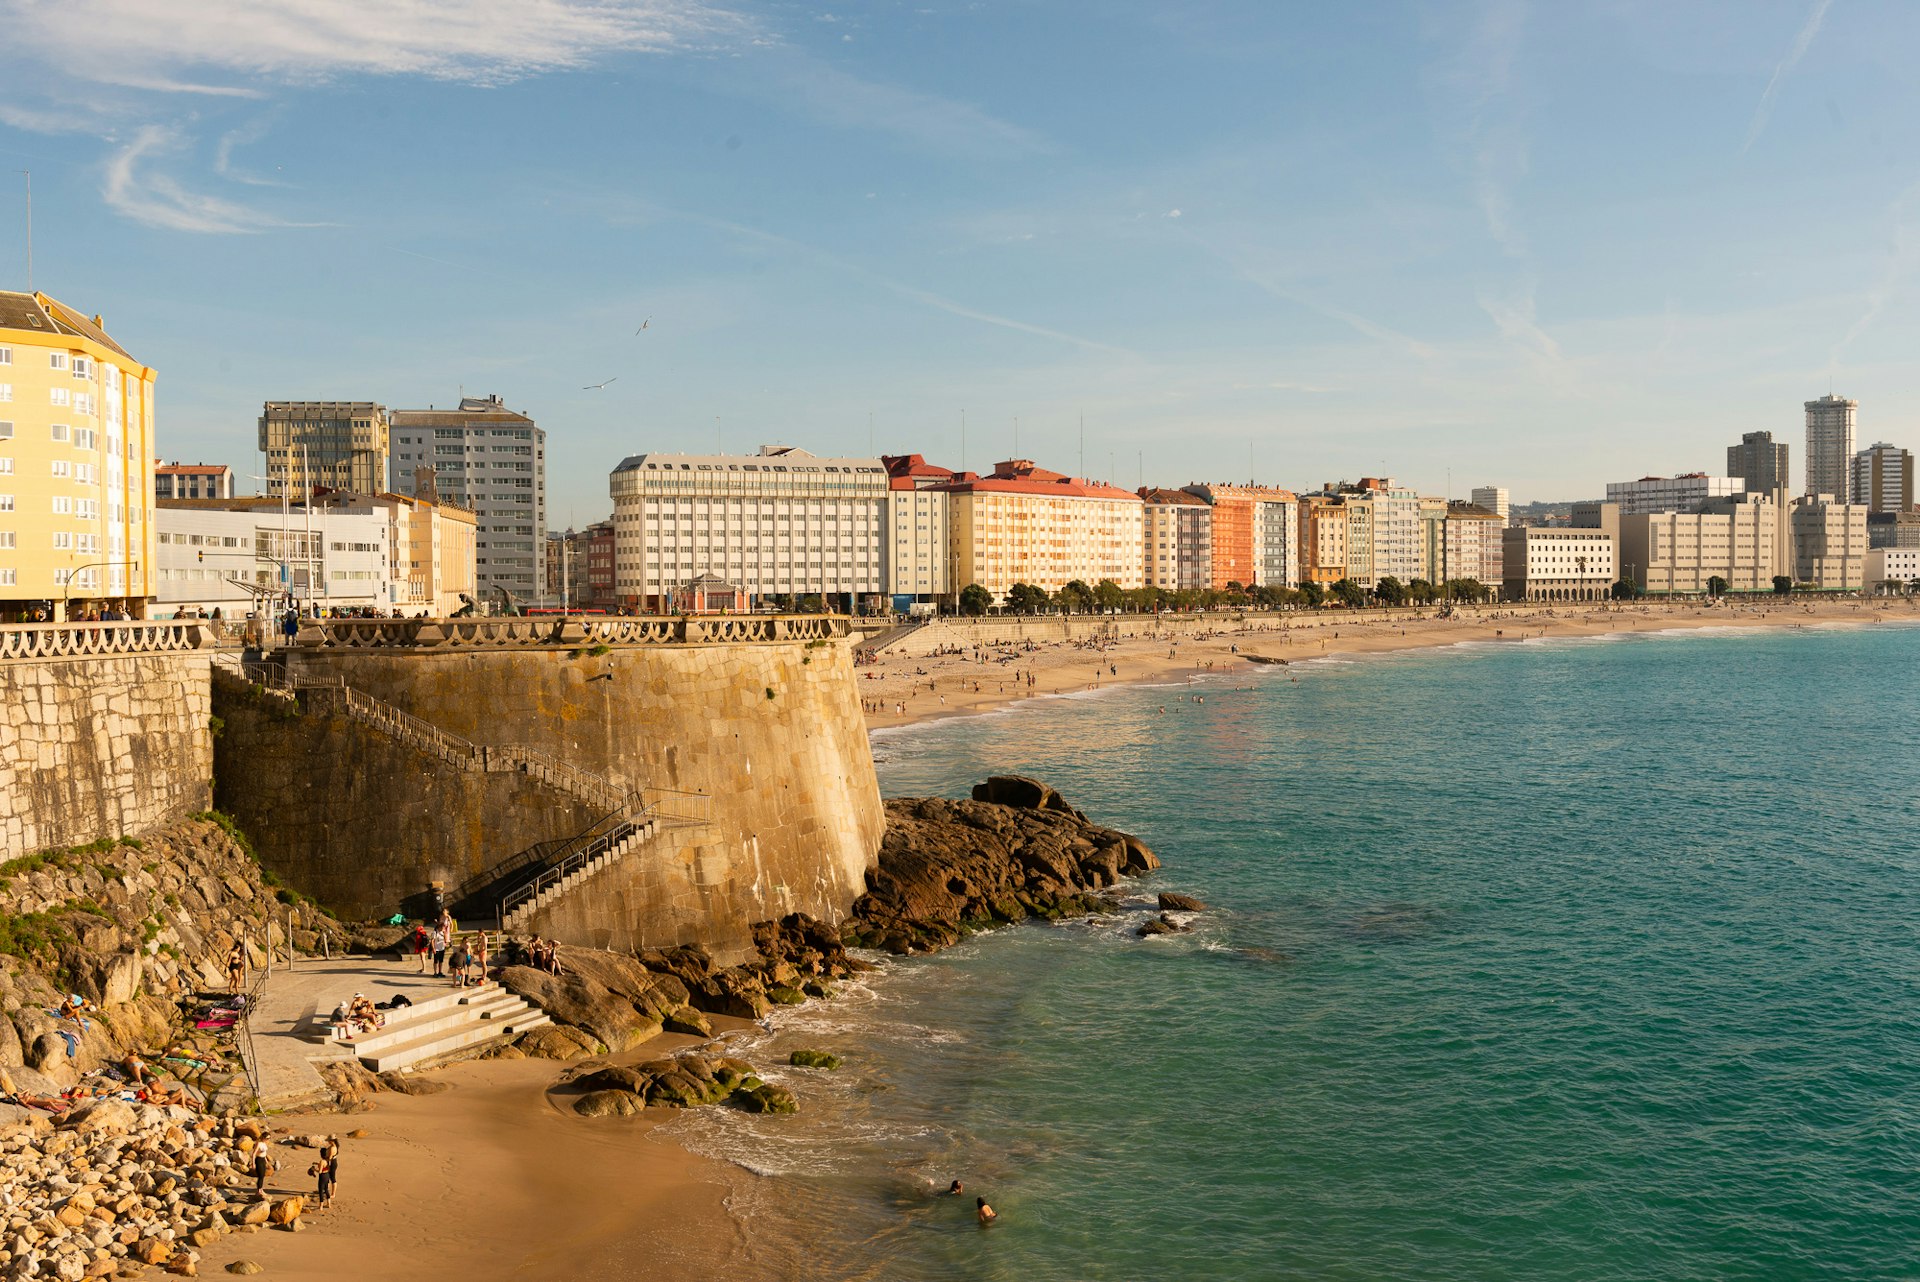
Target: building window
{"x": 57, "y": 360}
{"x": 59, "y": 431}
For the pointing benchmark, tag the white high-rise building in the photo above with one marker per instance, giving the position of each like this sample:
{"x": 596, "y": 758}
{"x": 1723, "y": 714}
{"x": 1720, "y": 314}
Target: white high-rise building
{"x": 1830, "y": 422}
{"x": 781, "y": 522}
{"x": 1651, "y": 494}
{"x": 1493, "y": 498}
{"x": 492, "y": 461}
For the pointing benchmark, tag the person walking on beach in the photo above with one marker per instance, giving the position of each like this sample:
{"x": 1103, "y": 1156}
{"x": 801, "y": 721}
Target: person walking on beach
{"x": 262, "y": 1167}
{"x": 322, "y": 1171}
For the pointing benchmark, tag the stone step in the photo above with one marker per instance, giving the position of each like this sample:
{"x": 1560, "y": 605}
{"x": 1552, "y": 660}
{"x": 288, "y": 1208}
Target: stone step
{"x": 437, "y": 1016}
{"x": 463, "y": 1037}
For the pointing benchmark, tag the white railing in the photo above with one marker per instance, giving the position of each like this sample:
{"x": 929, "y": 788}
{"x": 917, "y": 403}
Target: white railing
{"x": 565, "y": 631}
{"x": 79, "y": 640}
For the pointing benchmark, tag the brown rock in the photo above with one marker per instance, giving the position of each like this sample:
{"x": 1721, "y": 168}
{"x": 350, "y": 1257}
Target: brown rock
{"x": 243, "y": 1267}
{"x": 1171, "y": 902}
{"x": 608, "y": 1103}
{"x": 286, "y": 1211}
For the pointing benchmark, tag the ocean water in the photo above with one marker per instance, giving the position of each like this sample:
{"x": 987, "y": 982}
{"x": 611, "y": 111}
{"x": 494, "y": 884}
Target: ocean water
{"x": 1550, "y": 960}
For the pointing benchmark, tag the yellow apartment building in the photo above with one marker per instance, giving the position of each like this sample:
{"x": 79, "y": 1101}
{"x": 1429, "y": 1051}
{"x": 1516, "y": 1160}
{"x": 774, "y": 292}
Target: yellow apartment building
{"x": 76, "y": 465}
{"x": 1024, "y": 524}
{"x": 1323, "y": 538}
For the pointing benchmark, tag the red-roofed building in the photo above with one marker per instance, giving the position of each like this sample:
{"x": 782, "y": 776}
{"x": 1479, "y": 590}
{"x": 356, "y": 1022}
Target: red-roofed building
{"x": 1025, "y": 524}
{"x": 918, "y": 553}
{"x": 192, "y": 481}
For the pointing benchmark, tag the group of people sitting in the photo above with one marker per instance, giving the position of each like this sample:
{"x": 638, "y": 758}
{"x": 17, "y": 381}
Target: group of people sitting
{"x": 544, "y": 954}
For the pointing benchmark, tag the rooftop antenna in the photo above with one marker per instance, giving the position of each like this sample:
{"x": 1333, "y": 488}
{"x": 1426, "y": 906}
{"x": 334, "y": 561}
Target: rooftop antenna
{"x": 716, "y": 435}
{"x": 1083, "y": 445}
{"x": 1140, "y": 477}
{"x": 963, "y": 440}
{"x": 869, "y": 431}
{"x": 29, "y": 177}
{"x": 1016, "y": 436}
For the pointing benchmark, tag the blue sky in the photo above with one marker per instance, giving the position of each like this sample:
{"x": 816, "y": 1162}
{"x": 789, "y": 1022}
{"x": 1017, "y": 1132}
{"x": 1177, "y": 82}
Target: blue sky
{"x": 1542, "y": 245}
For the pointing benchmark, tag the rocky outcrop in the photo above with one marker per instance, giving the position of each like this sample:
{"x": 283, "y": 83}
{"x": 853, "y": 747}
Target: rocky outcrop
{"x": 1018, "y": 850}
{"x": 131, "y": 925}
{"x": 680, "y": 1081}
{"x": 117, "y": 1188}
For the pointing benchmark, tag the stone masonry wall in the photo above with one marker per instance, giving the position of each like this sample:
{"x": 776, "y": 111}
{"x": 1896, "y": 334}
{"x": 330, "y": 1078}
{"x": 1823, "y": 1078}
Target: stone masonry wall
{"x": 772, "y": 733}
{"x": 364, "y": 822}
{"x": 101, "y": 746}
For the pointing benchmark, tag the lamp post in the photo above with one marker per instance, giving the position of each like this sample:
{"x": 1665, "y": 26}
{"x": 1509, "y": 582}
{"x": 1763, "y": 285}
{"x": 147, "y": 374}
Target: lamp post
{"x": 66, "y": 589}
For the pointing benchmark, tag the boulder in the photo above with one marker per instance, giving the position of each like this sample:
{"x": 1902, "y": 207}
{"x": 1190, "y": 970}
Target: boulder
{"x": 813, "y": 1059}
{"x": 111, "y": 1116}
{"x": 243, "y": 1267}
{"x": 1162, "y": 925}
{"x": 285, "y": 1212}
{"x": 1171, "y": 902}
{"x": 766, "y": 1098}
{"x": 120, "y": 978}
{"x": 556, "y": 1041}
{"x": 608, "y": 1104}
{"x": 586, "y": 1002}
{"x": 411, "y": 1084}
{"x": 688, "y": 1020}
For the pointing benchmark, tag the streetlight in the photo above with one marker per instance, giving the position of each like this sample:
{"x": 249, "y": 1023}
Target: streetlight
{"x": 66, "y": 589}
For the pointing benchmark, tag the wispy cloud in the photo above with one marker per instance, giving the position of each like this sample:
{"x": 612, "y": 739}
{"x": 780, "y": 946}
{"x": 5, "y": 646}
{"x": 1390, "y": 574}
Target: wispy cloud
{"x": 1515, "y": 318}
{"x": 1801, "y": 43}
{"x": 136, "y": 187}
{"x": 178, "y": 45}
{"x": 799, "y": 81}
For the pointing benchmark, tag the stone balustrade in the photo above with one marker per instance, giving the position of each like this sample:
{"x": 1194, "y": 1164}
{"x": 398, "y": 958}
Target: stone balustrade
{"x": 572, "y": 630}
{"x": 85, "y": 640}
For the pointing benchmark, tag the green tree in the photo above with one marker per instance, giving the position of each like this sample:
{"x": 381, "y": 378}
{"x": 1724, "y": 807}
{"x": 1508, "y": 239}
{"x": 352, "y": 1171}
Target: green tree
{"x": 1623, "y": 591}
{"x": 1350, "y": 594}
{"x": 975, "y": 600}
{"x": 1391, "y": 591}
{"x": 1464, "y": 590}
{"x": 1422, "y": 591}
{"x": 1782, "y": 584}
{"x": 1076, "y": 597}
{"x": 1108, "y": 595}
{"x": 1717, "y": 587}
{"x": 1311, "y": 593}
{"x": 1024, "y": 598}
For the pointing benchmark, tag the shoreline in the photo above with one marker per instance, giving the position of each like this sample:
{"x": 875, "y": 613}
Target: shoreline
{"x": 496, "y": 1179}
{"x": 910, "y": 685}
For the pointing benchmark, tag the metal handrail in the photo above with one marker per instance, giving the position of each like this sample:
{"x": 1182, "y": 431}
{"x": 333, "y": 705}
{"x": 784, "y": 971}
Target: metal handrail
{"x": 630, "y": 817}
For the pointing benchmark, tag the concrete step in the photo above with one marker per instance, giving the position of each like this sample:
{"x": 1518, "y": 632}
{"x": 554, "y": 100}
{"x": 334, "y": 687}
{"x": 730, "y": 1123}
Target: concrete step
{"x": 438, "y": 1021}
{"x": 450, "y": 1005}
{"x": 461, "y": 1037}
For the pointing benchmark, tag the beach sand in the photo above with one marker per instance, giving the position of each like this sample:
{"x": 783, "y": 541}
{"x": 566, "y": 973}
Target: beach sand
{"x": 494, "y": 1180}
{"x": 934, "y": 686}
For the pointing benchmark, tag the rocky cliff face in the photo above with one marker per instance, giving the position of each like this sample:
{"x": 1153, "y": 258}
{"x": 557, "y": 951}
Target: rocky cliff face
{"x": 132, "y": 926}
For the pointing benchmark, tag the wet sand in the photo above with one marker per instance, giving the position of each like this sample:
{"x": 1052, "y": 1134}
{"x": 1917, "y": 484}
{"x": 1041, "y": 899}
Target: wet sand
{"x": 908, "y": 684}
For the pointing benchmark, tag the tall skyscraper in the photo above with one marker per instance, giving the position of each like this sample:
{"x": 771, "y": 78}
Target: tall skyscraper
{"x": 1883, "y": 478}
{"x": 335, "y": 445}
{"x": 1493, "y": 498}
{"x": 492, "y": 461}
{"x": 1760, "y": 462}
{"x": 1830, "y": 445}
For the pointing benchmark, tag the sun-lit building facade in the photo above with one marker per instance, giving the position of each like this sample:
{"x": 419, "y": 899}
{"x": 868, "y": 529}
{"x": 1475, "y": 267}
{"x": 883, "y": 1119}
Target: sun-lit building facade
{"x": 1025, "y": 524}
{"x": 1178, "y": 555}
{"x": 76, "y": 465}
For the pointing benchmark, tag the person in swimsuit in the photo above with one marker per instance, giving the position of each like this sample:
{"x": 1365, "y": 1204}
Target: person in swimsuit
{"x": 986, "y": 1213}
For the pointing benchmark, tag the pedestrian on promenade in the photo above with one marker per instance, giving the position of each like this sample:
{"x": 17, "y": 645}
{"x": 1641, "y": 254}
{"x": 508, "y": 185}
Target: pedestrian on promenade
{"x": 457, "y": 961}
{"x": 480, "y": 950}
{"x": 237, "y": 967}
{"x": 438, "y": 942}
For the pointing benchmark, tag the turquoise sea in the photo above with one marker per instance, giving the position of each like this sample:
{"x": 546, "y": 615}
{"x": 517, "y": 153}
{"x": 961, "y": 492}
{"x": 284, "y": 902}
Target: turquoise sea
{"x": 1572, "y": 960}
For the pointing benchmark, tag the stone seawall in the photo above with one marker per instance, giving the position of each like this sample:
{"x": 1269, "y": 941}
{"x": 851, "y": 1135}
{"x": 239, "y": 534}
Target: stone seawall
{"x": 101, "y": 746}
{"x": 771, "y": 732}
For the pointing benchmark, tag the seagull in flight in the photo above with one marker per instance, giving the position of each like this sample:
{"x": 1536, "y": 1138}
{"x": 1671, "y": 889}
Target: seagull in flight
{"x": 643, "y": 324}
{"x": 594, "y": 387}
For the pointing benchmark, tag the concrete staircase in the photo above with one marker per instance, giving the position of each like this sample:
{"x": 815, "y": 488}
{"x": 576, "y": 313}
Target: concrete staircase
{"x": 440, "y": 1026}
{"x": 563, "y": 879}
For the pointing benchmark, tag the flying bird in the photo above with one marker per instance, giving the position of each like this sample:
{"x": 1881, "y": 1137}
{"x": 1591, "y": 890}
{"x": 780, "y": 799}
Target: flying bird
{"x": 643, "y": 324}
{"x": 594, "y": 387}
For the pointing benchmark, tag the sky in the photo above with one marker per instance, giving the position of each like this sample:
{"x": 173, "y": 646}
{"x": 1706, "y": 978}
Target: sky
{"x": 1539, "y": 245}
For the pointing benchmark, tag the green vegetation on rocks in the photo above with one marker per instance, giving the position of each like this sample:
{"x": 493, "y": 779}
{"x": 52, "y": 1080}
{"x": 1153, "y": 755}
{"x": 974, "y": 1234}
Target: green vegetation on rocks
{"x": 813, "y": 1059}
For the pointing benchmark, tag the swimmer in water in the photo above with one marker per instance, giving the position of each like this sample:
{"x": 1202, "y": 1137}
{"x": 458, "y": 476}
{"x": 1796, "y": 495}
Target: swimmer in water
{"x": 985, "y": 1212}
{"x": 954, "y": 1188}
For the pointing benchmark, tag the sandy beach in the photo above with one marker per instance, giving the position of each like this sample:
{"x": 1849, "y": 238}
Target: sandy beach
{"x": 958, "y": 668}
{"x": 494, "y": 1179}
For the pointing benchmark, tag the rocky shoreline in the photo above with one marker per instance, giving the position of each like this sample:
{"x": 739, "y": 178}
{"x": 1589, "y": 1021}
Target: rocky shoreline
{"x": 947, "y": 869}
